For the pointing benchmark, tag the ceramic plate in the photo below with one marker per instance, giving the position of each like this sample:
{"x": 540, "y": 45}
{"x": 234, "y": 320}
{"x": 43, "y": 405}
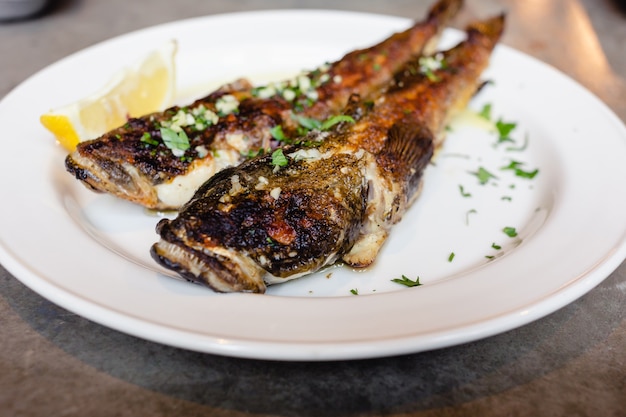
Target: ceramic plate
{"x": 566, "y": 224}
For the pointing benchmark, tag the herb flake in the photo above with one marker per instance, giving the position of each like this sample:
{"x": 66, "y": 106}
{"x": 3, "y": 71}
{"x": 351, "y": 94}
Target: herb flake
{"x": 333, "y": 120}
{"x": 147, "y": 138}
{"x": 279, "y": 159}
{"x": 278, "y": 134}
{"x": 483, "y": 175}
{"x": 485, "y": 112}
{"x": 406, "y": 281}
{"x": 515, "y": 167}
{"x": 177, "y": 142}
{"x": 510, "y": 231}
{"x": 504, "y": 131}
{"x": 463, "y": 192}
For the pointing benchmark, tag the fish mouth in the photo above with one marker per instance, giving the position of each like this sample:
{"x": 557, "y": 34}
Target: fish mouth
{"x": 218, "y": 268}
{"x": 107, "y": 176}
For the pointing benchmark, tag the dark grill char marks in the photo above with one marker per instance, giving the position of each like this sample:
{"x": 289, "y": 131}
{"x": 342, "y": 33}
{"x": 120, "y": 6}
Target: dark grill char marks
{"x": 148, "y": 168}
{"x": 256, "y": 224}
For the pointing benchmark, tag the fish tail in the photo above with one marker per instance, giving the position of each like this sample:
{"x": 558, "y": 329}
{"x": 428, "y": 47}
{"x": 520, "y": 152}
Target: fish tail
{"x": 489, "y": 30}
{"x": 444, "y": 10}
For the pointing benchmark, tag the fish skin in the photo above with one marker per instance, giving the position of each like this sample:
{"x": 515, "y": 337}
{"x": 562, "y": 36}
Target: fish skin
{"x": 255, "y": 224}
{"x": 121, "y": 164}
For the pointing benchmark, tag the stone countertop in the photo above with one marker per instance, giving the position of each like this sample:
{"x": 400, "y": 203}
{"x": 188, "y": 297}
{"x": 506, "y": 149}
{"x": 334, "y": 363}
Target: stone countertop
{"x": 572, "y": 362}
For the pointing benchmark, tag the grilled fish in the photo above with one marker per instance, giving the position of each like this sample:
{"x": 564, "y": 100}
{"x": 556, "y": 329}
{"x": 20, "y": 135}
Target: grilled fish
{"x": 281, "y": 216}
{"x": 159, "y": 160}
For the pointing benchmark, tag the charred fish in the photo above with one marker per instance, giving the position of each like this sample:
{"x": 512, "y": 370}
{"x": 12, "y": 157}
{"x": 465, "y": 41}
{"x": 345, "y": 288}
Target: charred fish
{"x": 159, "y": 160}
{"x": 334, "y": 196}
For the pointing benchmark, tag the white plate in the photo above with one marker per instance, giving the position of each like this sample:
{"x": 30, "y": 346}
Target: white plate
{"x": 89, "y": 253}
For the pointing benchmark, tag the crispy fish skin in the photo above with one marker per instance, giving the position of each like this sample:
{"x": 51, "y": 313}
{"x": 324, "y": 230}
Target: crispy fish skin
{"x": 259, "y": 224}
{"x": 146, "y": 171}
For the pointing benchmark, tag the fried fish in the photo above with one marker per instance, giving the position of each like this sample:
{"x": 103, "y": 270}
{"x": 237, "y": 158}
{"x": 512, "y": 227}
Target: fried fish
{"x": 335, "y": 195}
{"x": 159, "y": 160}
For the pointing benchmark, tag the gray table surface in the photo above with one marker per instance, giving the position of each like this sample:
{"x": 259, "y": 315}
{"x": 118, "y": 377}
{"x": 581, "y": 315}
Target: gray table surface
{"x": 572, "y": 362}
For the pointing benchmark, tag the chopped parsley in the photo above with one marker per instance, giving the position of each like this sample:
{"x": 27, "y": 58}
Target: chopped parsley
{"x": 309, "y": 123}
{"x": 354, "y": 291}
{"x": 406, "y": 281}
{"x": 451, "y": 257}
{"x": 463, "y": 192}
{"x": 510, "y": 231}
{"x": 333, "y": 120}
{"x": 504, "y": 131}
{"x": 515, "y": 166}
{"x": 495, "y": 246}
{"x": 485, "y": 112}
{"x": 278, "y": 134}
{"x": 177, "y": 142}
{"x": 252, "y": 153}
{"x": 147, "y": 138}
{"x": 305, "y": 125}
{"x": 279, "y": 159}
{"x": 483, "y": 175}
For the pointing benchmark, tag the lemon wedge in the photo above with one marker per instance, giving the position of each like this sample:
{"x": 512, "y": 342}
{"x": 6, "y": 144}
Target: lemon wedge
{"x": 146, "y": 87}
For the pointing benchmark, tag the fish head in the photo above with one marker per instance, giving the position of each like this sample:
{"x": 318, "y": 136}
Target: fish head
{"x": 258, "y": 225}
{"x": 106, "y": 175}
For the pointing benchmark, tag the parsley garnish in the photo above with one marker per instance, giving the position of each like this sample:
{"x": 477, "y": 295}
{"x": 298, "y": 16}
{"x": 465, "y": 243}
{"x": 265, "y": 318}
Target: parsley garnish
{"x": 483, "y": 175}
{"x": 147, "y": 138}
{"x": 510, "y": 231}
{"x": 252, "y": 153}
{"x": 354, "y": 291}
{"x": 279, "y": 159}
{"x": 495, "y": 246}
{"x": 515, "y": 166}
{"x": 311, "y": 124}
{"x": 278, "y": 134}
{"x": 506, "y": 198}
{"x": 406, "y": 281}
{"x": 463, "y": 193}
{"x": 178, "y": 143}
{"x": 333, "y": 120}
{"x": 504, "y": 131}
{"x": 485, "y": 112}
{"x": 307, "y": 122}
{"x": 451, "y": 257}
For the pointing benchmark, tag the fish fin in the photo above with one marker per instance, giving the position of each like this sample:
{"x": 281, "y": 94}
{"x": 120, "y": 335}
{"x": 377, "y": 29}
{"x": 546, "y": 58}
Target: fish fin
{"x": 407, "y": 151}
{"x": 366, "y": 248}
{"x": 488, "y": 31}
